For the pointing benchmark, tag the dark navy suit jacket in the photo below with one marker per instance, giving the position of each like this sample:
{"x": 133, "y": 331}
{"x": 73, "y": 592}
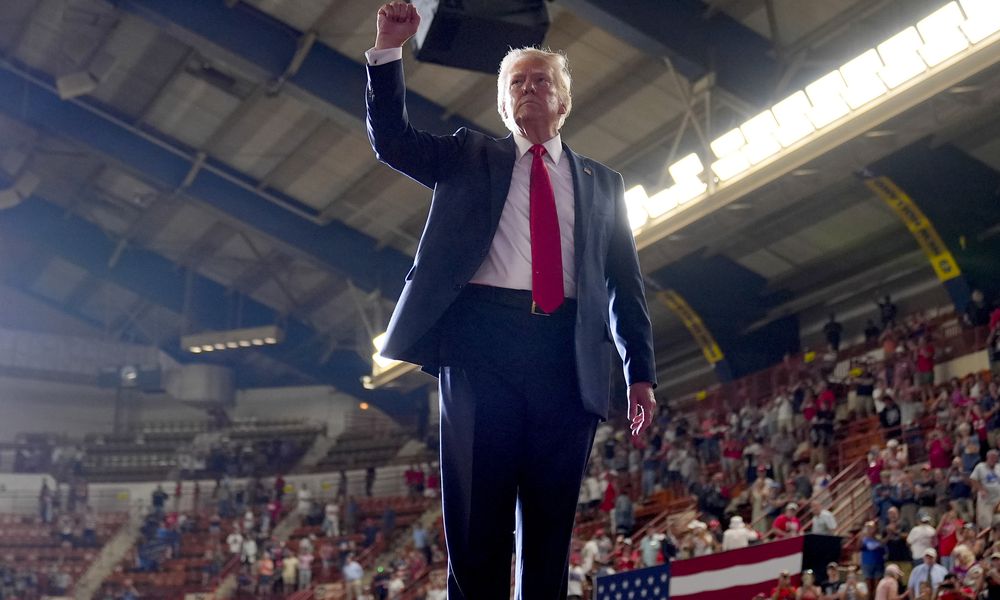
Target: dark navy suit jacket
{"x": 470, "y": 174}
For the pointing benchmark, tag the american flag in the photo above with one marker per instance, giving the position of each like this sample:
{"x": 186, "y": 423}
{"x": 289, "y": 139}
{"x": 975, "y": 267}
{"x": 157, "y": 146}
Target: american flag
{"x": 642, "y": 584}
{"x": 733, "y": 575}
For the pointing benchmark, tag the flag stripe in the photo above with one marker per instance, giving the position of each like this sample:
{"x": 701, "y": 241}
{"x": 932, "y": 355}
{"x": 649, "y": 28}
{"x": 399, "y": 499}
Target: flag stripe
{"x": 749, "y": 555}
{"x": 697, "y": 585}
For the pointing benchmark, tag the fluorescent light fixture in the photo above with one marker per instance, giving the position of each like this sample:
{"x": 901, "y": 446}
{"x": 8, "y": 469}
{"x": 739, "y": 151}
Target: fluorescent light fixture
{"x": 959, "y": 29}
{"x": 662, "y": 202}
{"x": 826, "y": 96}
{"x": 685, "y": 173}
{"x": 727, "y": 148}
{"x": 759, "y": 133}
{"x": 902, "y": 61}
{"x": 862, "y": 78}
{"x": 379, "y": 341}
{"x": 380, "y": 362}
{"x": 793, "y": 124}
{"x": 728, "y": 143}
{"x": 635, "y": 199}
{"x": 983, "y": 19}
{"x": 232, "y": 339}
{"x": 942, "y": 36}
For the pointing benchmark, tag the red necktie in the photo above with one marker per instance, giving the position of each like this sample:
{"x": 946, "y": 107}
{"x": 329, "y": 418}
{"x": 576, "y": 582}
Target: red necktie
{"x": 546, "y": 250}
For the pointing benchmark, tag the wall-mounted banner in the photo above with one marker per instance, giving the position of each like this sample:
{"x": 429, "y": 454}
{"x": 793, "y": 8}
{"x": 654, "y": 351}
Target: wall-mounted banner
{"x": 702, "y": 336}
{"x": 923, "y": 231}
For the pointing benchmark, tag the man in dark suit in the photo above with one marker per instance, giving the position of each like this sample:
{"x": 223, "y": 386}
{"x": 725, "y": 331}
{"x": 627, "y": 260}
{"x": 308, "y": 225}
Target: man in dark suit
{"x": 526, "y": 266}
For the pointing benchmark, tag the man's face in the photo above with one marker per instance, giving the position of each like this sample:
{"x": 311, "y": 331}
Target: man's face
{"x": 532, "y": 96}
{"x": 928, "y": 560}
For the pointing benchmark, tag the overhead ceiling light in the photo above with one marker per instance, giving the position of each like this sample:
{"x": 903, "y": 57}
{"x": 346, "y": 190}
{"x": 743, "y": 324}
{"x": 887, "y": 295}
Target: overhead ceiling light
{"x": 901, "y": 59}
{"x": 760, "y": 135}
{"x": 793, "y": 124}
{"x": 908, "y": 59}
{"x": 826, "y": 95}
{"x": 731, "y": 161}
{"x": 983, "y": 19}
{"x": 862, "y": 78}
{"x": 232, "y": 339}
{"x": 635, "y": 200}
{"x": 942, "y": 35}
{"x": 195, "y": 349}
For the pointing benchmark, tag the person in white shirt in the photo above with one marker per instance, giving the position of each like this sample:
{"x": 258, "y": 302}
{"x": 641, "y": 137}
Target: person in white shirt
{"x": 986, "y": 483}
{"x": 922, "y": 537}
{"x": 331, "y": 519}
{"x": 574, "y": 585}
{"x": 235, "y": 541}
{"x": 590, "y": 552}
{"x": 823, "y": 522}
{"x": 738, "y": 535}
{"x": 526, "y": 280}
{"x": 353, "y": 574}
{"x": 248, "y": 553}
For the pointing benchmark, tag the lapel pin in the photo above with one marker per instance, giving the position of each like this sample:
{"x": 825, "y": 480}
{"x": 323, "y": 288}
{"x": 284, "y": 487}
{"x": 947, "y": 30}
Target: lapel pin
{"x": 588, "y": 171}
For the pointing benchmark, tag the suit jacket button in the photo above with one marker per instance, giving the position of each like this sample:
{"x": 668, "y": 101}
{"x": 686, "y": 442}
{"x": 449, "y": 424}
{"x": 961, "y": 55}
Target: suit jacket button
{"x": 459, "y": 286}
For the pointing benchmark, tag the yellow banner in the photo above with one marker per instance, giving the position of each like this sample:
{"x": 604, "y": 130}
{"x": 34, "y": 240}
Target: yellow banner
{"x": 923, "y": 231}
{"x": 694, "y": 324}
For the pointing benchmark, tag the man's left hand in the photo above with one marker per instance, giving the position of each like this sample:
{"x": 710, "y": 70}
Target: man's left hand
{"x": 641, "y": 406}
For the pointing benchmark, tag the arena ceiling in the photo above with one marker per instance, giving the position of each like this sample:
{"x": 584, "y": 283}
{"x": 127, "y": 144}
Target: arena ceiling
{"x": 199, "y": 177}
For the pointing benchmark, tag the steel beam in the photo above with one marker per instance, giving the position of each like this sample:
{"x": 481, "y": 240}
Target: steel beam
{"x": 157, "y": 280}
{"x": 29, "y": 97}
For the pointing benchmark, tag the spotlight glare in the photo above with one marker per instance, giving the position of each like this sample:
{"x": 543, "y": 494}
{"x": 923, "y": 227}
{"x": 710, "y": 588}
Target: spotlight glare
{"x": 635, "y": 198}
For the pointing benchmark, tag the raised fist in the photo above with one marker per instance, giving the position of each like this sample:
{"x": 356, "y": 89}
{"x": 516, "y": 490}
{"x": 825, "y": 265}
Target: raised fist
{"x": 397, "y": 22}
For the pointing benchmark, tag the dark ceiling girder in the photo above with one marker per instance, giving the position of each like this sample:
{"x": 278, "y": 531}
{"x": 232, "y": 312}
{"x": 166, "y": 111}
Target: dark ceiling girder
{"x": 740, "y": 58}
{"x": 270, "y": 44}
{"x": 157, "y": 280}
{"x": 344, "y": 249}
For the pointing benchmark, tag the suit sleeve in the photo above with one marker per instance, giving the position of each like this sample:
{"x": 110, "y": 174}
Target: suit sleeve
{"x": 629, "y": 316}
{"x": 419, "y": 155}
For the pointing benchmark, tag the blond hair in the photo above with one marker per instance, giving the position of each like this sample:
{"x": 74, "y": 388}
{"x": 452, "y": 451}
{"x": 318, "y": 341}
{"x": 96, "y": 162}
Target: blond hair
{"x": 560, "y": 68}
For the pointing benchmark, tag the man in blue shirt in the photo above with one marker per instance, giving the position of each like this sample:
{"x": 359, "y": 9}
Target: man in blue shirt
{"x": 928, "y": 571}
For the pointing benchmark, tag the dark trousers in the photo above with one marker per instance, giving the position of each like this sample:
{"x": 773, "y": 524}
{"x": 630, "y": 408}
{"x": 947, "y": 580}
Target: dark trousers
{"x": 514, "y": 445}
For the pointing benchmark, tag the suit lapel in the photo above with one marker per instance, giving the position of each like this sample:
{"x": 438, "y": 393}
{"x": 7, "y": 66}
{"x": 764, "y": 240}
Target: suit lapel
{"x": 583, "y": 201}
{"x": 501, "y": 168}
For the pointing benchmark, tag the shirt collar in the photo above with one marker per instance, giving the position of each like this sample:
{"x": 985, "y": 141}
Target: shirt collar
{"x": 553, "y": 147}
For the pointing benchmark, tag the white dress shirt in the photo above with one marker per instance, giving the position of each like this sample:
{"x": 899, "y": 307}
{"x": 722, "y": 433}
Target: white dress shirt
{"x": 508, "y": 264}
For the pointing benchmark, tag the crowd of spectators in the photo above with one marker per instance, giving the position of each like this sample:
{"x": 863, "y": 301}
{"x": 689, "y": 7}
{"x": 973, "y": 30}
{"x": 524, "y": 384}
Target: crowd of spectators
{"x": 752, "y": 465}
